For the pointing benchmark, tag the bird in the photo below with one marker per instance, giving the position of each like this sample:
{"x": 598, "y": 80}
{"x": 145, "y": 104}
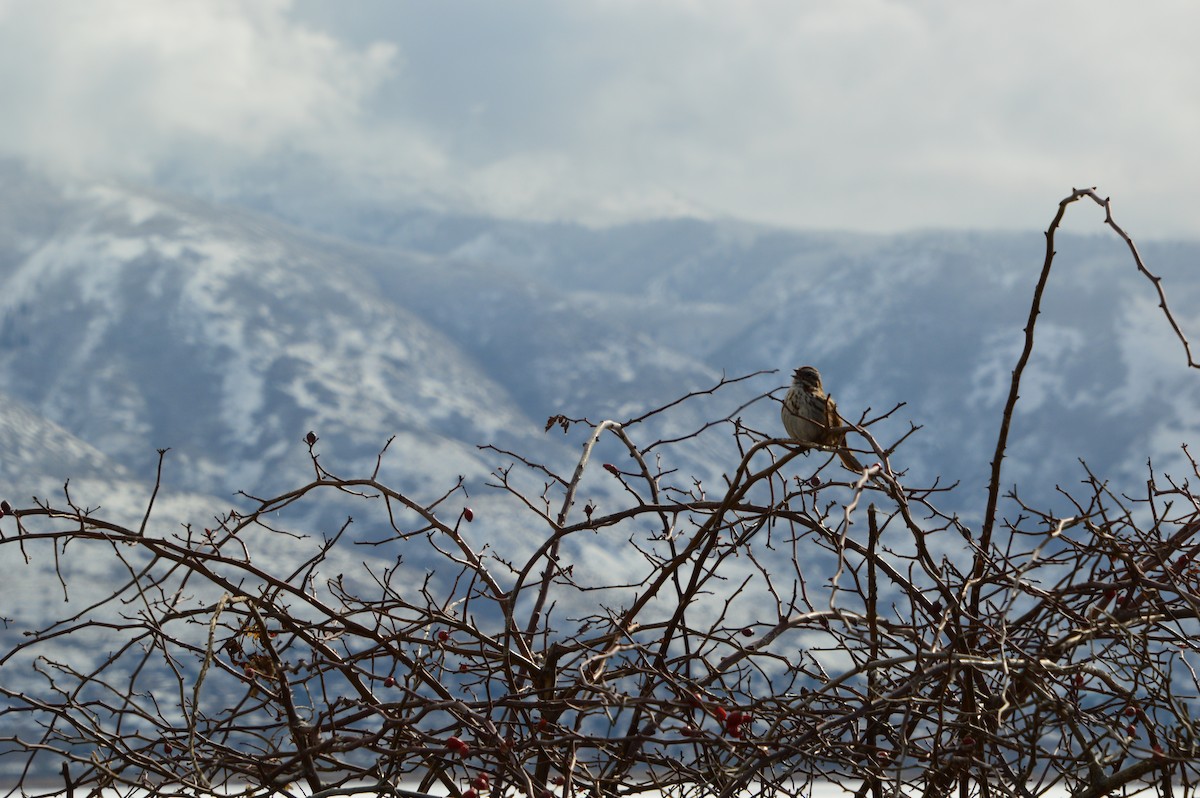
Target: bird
{"x": 810, "y": 416}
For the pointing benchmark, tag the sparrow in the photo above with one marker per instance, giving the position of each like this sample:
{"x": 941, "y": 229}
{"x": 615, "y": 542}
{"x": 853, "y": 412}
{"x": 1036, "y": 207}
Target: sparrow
{"x": 810, "y": 416}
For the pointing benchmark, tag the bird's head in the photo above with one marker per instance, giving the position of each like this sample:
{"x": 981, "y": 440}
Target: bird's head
{"x": 807, "y": 378}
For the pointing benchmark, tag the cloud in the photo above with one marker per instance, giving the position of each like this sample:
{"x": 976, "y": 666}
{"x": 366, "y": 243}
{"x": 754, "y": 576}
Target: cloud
{"x": 872, "y": 114}
{"x": 123, "y": 85}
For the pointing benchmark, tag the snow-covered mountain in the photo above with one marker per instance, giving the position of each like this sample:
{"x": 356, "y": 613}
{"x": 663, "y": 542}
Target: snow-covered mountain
{"x": 134, "y": 320}
{"x": 932, "y": 319}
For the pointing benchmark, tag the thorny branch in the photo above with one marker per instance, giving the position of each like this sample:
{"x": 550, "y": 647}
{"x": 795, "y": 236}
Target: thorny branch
{"x": 670, "y": 635}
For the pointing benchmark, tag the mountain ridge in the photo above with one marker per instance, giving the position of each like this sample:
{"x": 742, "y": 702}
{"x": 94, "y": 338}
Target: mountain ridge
{"x": 137, "y": 320}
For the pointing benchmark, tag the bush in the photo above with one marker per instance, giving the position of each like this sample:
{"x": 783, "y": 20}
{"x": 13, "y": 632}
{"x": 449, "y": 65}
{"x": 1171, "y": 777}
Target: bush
{"x": 791, "y": 624}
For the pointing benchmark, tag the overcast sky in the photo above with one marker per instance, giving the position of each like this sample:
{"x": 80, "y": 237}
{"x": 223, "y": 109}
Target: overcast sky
{"x": 857, "y": 114}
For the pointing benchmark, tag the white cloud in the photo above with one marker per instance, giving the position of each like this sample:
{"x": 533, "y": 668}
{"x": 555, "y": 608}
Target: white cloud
{"x": 869, "y": 114}
{"x": 121, "y": 85}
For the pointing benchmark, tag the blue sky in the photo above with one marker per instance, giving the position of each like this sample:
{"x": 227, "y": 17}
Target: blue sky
{"x": 861, "y": 115}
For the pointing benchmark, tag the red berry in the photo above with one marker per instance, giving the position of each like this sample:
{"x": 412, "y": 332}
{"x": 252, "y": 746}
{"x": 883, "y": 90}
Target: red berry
{"x": 814, "y": 481}
{"x": 443, "y": 635}
{"x": 690, "y": 731}
{"x": 468, "y": 514}
{"x": 735, "y": 718}
{"x": 481, "y": 782}
{"x": 470, "y": 793}
{"x": 1079, "y": 680}
{"x": 389, "y": 682}
{"x": 559, "y": 780}
{"x": 1130, "y": 711}
{"x": 720, "y": 714}
{"x": 457, "y": 746}
{"x": 734, "y": 731}
{"x": 748, "y": 632}
{"x": 968, "y": 741}
{"x": 612, "y": 469}
{"x": 1131, "y": 730}
{"x": 168, "y": 748}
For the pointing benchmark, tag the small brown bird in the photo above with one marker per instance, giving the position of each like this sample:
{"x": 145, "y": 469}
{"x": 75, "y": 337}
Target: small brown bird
{"x": 810, "y": 416}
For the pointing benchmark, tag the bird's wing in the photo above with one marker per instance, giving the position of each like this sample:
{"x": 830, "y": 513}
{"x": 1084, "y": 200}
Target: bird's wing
{"x": 833, "y": 420}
